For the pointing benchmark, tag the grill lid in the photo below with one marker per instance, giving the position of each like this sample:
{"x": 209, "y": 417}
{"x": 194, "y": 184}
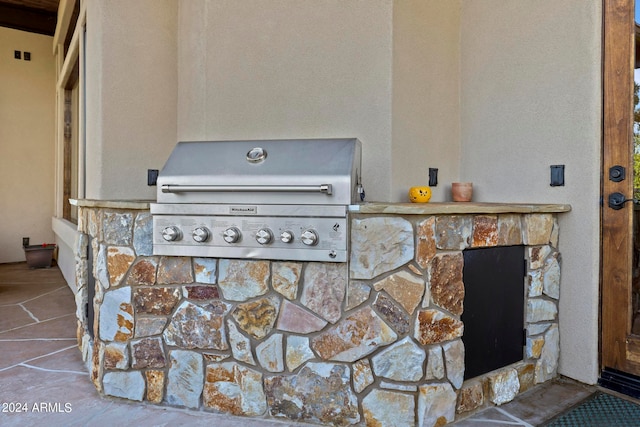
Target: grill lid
{"x": 302, "y": 171}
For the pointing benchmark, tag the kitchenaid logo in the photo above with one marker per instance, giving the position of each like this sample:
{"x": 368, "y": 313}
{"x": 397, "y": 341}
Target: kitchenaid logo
{"x": 243, "y": 210}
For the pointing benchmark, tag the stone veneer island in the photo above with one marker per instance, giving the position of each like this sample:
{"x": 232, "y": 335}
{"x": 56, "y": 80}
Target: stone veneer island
{"x": 375, "y": 341}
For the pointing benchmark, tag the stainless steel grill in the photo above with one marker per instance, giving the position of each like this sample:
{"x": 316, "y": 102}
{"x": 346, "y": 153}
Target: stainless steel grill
{"x": 268, "y": 199}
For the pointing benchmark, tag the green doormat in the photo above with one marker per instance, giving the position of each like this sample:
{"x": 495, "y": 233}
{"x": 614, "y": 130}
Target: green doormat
{"x": 600, "y": 410}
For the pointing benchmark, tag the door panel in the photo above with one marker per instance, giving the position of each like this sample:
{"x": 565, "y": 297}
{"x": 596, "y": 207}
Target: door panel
{"x": 619, "y": 349}
{"x": 493, "y": 329}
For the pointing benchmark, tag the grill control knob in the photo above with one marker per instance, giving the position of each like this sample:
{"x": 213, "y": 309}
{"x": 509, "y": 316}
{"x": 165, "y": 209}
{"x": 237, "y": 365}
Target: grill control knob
{"x": 309, "y": 237}
{"x": 171, "y": 233}
{"x": 231, "y": 235}
{"x": 201, "y": 234}
{"x": 264, "y": 236}
{"x": 286, "y": 237}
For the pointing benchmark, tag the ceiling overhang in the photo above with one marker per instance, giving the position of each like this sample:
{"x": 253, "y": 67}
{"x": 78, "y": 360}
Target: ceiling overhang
{"x": 34, "y": 16}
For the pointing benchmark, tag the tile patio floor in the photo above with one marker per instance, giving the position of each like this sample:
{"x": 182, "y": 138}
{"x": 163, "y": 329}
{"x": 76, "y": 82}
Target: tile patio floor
{"x": 41, "y": 366}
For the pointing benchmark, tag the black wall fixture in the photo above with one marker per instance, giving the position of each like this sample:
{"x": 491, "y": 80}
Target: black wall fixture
{"x": 433, "y": 177}
{"x": 91, "y": 290}
{"x": 557, "y": 175}
{"x": 152, "y": 177}
{"x": 493, "y": 314}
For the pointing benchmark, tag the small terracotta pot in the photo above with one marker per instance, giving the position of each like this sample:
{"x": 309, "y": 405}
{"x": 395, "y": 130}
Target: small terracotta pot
{"x": 461, "y": 191}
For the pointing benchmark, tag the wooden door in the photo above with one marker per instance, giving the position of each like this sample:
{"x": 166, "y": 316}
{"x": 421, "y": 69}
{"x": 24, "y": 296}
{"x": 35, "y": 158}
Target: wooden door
{"x": 620, "y": 348}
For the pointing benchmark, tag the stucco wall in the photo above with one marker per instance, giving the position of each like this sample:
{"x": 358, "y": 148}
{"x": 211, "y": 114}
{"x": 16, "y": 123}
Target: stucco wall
{"x": 131, "y": 90}
{"x": 269, "y": 70}
{"x": 531, "y": 98}
{"x": 426, "y": 95}
{"x": 283, "y": 69}
{"x": 27, "y": 101}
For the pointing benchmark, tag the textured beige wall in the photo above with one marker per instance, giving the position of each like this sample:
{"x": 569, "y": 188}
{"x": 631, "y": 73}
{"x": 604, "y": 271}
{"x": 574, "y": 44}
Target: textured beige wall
{"x": 131, "y": 94}
{"x": 531, "y": 98}
{"x": 426, "y": 95}
{"x": 289, "y": 69}
{"x": 27, "y": 101}
{"x": 252, "y": 69}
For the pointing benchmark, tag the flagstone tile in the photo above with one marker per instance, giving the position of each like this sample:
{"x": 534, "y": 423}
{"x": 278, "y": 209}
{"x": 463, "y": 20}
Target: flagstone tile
{"x": 54, "y": 304}
{"x": 14, "y": 316}
{"x": 14, "y": 293}
{"x": 62, "y": 327}
{"x": 15, "y": 352}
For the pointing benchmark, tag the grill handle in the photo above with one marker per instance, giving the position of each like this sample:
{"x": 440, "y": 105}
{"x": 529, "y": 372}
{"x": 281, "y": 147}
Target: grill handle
{"x": 322, "y": 188}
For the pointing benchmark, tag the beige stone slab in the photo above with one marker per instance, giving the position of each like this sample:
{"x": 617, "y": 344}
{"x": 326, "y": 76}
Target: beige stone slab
{"x": 457, "y": 208}
{"x": 379, "y": 207}
{"x": 112, "y": 204}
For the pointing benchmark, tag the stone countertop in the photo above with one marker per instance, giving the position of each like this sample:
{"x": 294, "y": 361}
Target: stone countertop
{"x": 431, "y": 208}
{"x": 445, "y": 208}
{"x": 112, "y": 204}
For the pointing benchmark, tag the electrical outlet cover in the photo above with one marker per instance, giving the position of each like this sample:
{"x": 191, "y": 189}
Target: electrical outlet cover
{"x": 557, "y": 175}
{"x": 433, "y": 177}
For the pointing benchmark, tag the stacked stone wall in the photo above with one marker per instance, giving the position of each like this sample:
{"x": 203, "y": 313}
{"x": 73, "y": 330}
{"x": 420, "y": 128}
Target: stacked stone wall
{"x": 375, "y": 341}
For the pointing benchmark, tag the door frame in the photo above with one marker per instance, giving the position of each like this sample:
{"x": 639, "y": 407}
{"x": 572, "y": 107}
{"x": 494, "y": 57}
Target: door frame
{"x": 619, "y": 350}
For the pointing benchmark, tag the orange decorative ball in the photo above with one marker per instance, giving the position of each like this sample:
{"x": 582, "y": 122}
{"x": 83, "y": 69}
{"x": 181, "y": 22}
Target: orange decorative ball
{"x": 420, "y": 194}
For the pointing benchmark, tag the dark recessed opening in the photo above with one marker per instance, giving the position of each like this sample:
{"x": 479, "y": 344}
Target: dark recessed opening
{"x": 91, "y": 289}
{"x": 493, "y": 308}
